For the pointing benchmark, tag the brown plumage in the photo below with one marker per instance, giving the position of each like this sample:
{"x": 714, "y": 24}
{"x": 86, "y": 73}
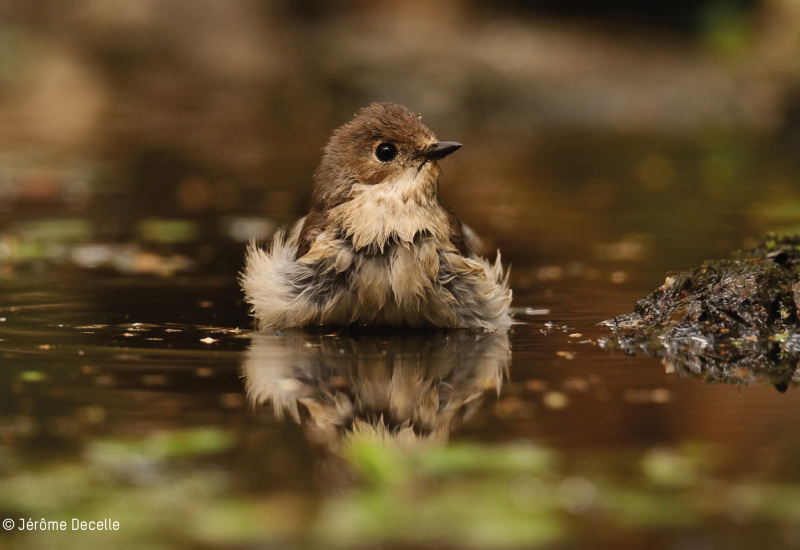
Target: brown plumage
{"x": 377, "y": 246}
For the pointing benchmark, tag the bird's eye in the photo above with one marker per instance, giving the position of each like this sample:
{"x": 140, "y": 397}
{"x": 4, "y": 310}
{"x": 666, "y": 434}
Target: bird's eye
{"x": 386, "y": 152}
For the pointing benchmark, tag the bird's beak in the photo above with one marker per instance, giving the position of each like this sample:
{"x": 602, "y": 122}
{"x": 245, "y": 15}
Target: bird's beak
{"x": 439, "y": 150}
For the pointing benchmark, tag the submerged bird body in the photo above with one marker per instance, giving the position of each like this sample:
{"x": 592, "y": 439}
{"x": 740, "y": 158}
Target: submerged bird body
{"x": 377, "y": 247}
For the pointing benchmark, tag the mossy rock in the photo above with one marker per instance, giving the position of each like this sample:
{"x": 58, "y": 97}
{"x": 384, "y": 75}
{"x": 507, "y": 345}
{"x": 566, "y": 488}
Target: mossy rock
{"x": 733, "y": 320}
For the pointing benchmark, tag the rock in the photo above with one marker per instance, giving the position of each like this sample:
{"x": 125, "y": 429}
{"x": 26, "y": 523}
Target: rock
{"x": 733, "y": 320}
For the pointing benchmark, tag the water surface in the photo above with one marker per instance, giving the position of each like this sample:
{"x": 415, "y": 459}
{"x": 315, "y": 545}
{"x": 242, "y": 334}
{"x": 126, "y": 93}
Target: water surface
{"x": 134, "y": 388}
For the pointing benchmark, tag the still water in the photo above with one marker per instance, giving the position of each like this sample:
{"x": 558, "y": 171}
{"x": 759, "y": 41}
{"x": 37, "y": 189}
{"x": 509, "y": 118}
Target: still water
{"x": 134, "y": 389}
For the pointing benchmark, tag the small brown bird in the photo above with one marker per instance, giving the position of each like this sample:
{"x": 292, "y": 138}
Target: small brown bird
{"x": 377, "y": 247}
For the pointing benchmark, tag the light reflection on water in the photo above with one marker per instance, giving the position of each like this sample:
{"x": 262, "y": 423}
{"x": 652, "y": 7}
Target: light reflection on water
{"x": 403, "y": 390}
{"x": 387, "y": 385}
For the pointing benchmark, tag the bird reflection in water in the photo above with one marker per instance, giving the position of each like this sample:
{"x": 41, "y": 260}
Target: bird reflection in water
{"x": 404, "y": 388}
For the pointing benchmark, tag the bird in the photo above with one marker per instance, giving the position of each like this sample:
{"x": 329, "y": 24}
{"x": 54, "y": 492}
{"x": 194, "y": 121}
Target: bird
{"x": 377, "y": 247}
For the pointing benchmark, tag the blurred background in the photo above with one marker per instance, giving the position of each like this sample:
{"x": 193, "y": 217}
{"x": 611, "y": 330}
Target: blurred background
{"x": 169, "y": 121}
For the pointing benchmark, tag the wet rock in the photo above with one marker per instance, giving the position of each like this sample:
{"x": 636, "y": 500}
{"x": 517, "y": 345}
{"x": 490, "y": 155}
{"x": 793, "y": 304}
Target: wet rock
{"x": 733, "y": 320}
